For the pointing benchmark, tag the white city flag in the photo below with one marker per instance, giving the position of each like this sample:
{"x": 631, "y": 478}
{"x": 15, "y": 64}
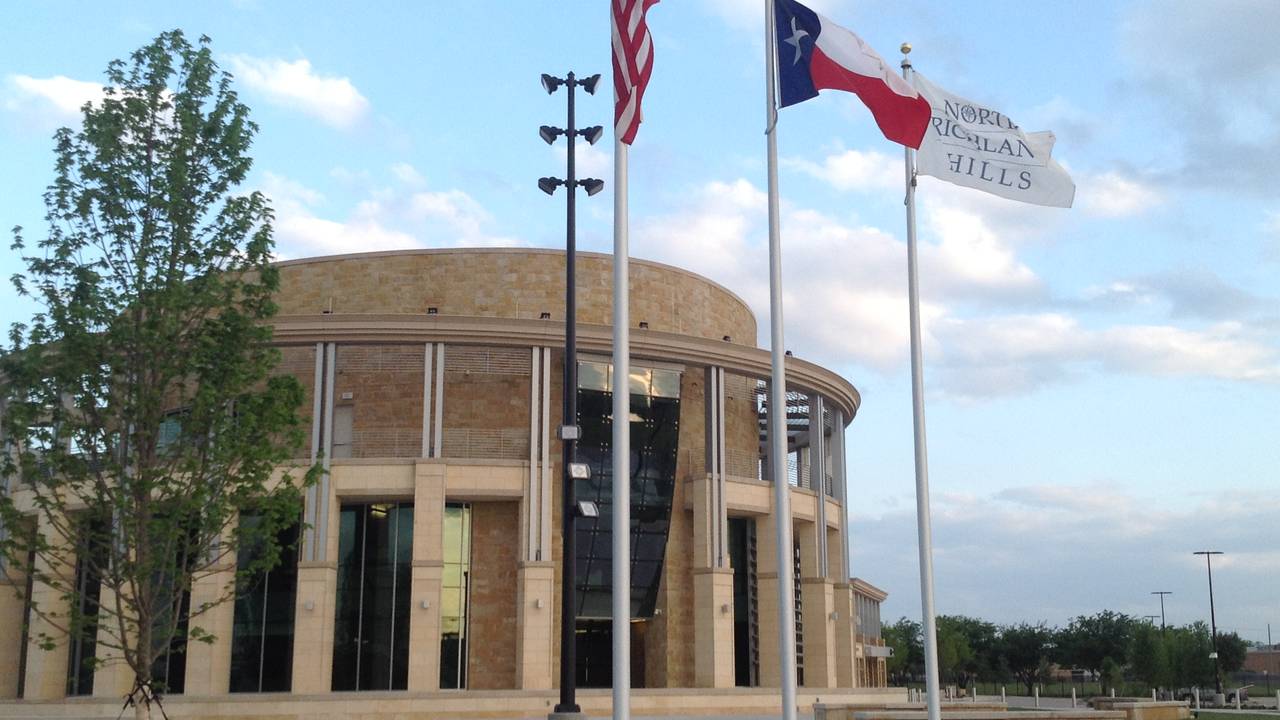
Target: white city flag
{"x": 974, "y": 146}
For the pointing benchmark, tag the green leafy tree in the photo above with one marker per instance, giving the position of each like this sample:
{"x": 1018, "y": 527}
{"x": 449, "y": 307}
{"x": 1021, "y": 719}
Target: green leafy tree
{"x": 1149, "y": 656}
{"x": 1232, "y": 650}
{"x": 1089, "y": 640}
{"x": 1025, "y": 649}
{"x": 955, "y": 656}
{"x": 1189, "y": 660}
{"x": 142, "y": 410}
{"x": 981, "y": 637}
{"x": 907, "y": 642}
{"x": 1112, "y": 673}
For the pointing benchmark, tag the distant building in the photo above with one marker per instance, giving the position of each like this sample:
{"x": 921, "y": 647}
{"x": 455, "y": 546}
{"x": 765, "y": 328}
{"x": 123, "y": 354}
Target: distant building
{"x": 430, "y": 557}
{"x": 1263, "y": 659}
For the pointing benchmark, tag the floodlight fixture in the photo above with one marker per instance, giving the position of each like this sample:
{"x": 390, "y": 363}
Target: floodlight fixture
{"x": 549, "y": 134}
{"x": 592, "y": 134}
{"x": 592, "y": 185}
{"x": 588, "y": 509}
{"x": 590, "y": 84}
{"x": 579, "y": 471}
{"x": 548, "y": 185}
{"x": 551, "y": 83}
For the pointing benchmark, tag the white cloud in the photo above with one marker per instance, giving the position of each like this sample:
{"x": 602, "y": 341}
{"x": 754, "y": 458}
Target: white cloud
{"x": 855, "y": 170}
{"x": 388, "y": 219}
{"x": 589, "y": 160}
{"x": 332, "y": 99}
{"x": 1112, "y": 195}
{"x": 845, "y": 299}
{"x": 51, "y": 100}
{"x": 1042, "y": 543}
{"x": 407, "y": 174}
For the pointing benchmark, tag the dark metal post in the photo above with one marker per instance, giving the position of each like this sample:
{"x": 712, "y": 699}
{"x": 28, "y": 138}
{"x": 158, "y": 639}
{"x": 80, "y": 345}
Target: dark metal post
{"x": 1162, "y": 593}
{"x": 569, "y": 429}
{"x": 568, "y": 595}
{"x": 1213, "y": 622}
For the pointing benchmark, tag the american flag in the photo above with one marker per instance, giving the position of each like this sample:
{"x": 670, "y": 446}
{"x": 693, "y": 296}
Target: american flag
{"x": 632, "y": 64}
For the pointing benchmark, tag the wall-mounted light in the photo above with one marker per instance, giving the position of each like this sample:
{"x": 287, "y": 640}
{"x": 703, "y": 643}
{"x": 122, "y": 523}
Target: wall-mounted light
{"x": 835, "y": 615}
{"x": 724, "y": 609}
{"x": 309, "y": 605}
{"x": 426, "y": 604}
{"x": 433, "y": 311}
{"x": 728, "y": 339}
{"x": 644, "y": 325}
{"x": 544, "y": 316}
{"x": 788, "y": 353}
{"x": 538, "y": 603}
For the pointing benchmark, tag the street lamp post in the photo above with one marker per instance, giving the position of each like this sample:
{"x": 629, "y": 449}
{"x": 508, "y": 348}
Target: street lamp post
{"x": 571, "y": 469}
{"x": 1213, "y": 622}
{"x": 1162, "y": 593}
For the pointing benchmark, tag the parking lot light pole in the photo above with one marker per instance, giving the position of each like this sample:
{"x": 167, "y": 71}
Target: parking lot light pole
{"x": 1162, "y": 593}
{"x": 1213, "y": 622}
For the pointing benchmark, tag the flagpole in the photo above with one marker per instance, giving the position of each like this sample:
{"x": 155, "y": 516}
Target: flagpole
{"x": 923, "y": 522}
{"x": 777, "y": 407}
{"x": 621, "y": 442}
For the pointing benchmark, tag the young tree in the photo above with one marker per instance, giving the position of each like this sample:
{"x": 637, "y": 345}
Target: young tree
{"x": 142, "y": 410}
{"x": 955, "y": 656}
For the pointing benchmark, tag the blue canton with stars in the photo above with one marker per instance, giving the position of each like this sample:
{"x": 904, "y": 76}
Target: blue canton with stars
{"x": 797, "y": 27}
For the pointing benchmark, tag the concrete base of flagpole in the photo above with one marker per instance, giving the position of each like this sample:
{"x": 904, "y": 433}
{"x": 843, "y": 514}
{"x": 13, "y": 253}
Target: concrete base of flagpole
{"x": 566, "y": 716}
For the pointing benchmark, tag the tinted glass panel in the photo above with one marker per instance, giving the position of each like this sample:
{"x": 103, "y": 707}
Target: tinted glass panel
{"x": 454, "y": 596}
{"x": 262, "y": 634}
{"x": 371, "y": 649}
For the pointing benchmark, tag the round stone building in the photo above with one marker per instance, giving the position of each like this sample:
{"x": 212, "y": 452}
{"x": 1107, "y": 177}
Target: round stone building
{"x": 430, "y": 555}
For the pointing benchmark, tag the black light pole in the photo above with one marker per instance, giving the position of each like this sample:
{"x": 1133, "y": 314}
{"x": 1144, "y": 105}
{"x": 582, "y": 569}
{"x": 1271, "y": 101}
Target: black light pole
{"x": 1162, "y": 593}
{"x": 571, "y": 469}
{"x": 1213, "y": 622}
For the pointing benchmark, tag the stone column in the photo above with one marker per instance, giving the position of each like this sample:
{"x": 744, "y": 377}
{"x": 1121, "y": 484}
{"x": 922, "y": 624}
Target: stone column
{"x": 47, "y": 669}
{"x": 316, "y": 604}
{"x": 817, "y": 599}
{"x": 843, "y": 636}
{"x": 712, "y": 592}
{"x": 12, "y": 611}
{"x": 767, "y": 599}
{"x": 428, "y": 575}
{"x": 113, "y": 678}
{"x": 209, "y": 664}
{"x": 535, "y": 615}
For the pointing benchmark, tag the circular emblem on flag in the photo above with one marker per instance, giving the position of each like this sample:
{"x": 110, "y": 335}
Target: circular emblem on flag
{"x": 968, "y": 114}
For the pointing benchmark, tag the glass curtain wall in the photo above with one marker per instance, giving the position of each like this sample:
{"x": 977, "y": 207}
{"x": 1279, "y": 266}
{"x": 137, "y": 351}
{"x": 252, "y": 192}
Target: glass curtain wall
{"x": 262, "y": 633}
{"x": 655, "y": 435}
{"x": 81, "y": 649}
{"x": 455, "y": 596}
{"x": 371, "y": 628}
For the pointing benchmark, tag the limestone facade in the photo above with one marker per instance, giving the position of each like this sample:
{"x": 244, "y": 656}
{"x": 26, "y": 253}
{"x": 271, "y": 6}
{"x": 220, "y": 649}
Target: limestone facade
{"x": 434, "y": 377}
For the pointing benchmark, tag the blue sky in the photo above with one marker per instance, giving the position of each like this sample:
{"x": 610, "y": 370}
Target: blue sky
{"x": 1103, "y": 383}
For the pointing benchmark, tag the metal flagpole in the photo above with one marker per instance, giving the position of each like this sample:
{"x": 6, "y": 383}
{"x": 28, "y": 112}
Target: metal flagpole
{"x": 923, "y": 523}
{"x": 777, "y": 408}
{"x": 621, "y": 442}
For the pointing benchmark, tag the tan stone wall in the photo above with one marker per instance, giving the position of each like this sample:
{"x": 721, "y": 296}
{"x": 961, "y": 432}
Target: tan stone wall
{"x": 510, "y": 283}
{"x": 300, "y": 362}
{"x": 386, "y": 384}
{"x": 12, "y": 607}
{"x": 741, "y": 426}
{"x": 492, "y": 646}
{"x": 486, "y": 402}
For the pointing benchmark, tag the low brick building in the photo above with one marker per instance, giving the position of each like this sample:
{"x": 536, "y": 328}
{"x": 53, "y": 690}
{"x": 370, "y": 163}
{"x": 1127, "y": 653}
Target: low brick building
{"x": 430, "y": 555}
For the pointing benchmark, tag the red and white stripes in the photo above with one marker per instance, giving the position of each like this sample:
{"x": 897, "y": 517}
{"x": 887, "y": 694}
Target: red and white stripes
{"x": 632, "y": 64}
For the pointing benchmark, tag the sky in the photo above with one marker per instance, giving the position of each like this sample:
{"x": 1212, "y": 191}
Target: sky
{"x": 1102, "y": 382}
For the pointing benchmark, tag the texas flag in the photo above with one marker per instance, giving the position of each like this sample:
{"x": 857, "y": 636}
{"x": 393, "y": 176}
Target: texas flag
{"x": 816, "y": 54}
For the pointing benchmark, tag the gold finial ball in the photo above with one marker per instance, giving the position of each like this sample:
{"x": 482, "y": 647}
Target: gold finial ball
{"x": 906, "y": 48}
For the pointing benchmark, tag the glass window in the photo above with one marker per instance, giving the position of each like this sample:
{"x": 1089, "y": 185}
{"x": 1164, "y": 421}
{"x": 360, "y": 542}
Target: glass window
{"x": 593, "y": 376}
{"x": 455, "y": 596}
{"x": 371, "y": 624}
{"x": 91, "y": 559}
{"x": 262, "y": 633}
